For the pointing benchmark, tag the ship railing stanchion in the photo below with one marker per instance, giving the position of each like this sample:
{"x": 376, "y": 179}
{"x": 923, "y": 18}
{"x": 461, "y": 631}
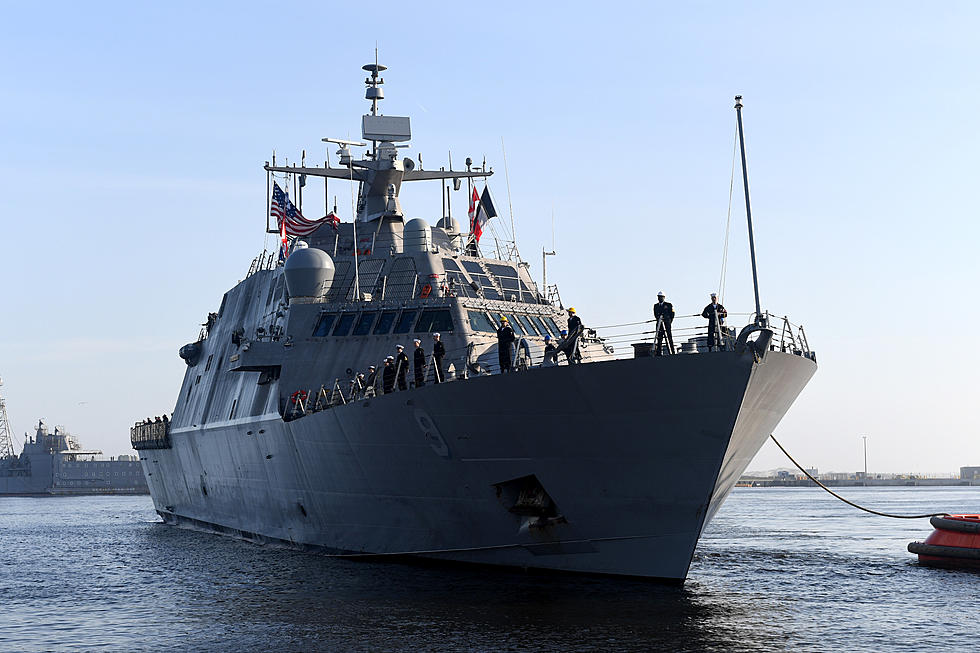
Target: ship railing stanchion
{"x": 806, "y": 345}
{"x": 338, "y": 392}
{"x": 321, "y": 395}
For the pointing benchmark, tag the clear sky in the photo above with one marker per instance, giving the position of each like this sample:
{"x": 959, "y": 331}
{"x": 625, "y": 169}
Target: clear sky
{"x": 133, "y": 137}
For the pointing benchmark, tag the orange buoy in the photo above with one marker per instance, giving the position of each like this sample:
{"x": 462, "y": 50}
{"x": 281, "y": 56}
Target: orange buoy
{"x": 954, "y": 544}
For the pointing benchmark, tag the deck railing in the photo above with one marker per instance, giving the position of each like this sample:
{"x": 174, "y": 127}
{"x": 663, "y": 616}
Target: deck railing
{"x": 611, "y": 342}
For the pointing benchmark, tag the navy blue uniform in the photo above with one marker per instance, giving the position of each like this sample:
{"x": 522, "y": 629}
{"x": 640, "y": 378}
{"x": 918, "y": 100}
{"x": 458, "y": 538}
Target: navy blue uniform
{"x": 665, "y": 310}
{"x": 505, "y": 337}
{"x": 388, "y": 377}
{"x": 574, "y": 331}
{"x": 419, "y": 367}
{"x": 401, "y": 366}
{"x": 438, "y": 353}
{"x": 716, "y": 314}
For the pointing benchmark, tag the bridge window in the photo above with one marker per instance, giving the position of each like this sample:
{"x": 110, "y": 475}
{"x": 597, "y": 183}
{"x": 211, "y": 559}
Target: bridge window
{"x": 542, "y": 329}
{"x": 344, "y": 324}
{"x": 555, "y": 331}
{"x": 515, "y": 325}
{"x": 435, "y": 320}
{"x": 479, "y": 321}
{"x": 323, "y": 325}
{"x": 363, "y": 326}
{"x": 405, "y": 322}
{"x": 526, "y": 323}
{"x": 384, "y": 322}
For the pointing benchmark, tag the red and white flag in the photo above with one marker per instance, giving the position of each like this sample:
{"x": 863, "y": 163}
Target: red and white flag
{"x": 474, "y": 201}
{"x": 485, "y": 210}
{"x": 283, "y": 242}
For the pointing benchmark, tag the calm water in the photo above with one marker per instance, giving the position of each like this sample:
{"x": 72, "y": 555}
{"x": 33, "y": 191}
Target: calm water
{"x": 779, "y": 569}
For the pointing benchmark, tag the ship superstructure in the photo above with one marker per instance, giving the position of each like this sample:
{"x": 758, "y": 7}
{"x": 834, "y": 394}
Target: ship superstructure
{"x": 600, "y": 462}
{"x": 53, "y": 462}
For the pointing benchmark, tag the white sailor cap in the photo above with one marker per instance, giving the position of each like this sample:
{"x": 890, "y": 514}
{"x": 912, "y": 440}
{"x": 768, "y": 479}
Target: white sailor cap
{"x": 399, "y": 346}
{"x": 661, "y": 294}
{"x": 370, "y": 367}
{"x": 417, "y": 341}
{"x": 436, "y": 335}
{"x": 390, "y": 358}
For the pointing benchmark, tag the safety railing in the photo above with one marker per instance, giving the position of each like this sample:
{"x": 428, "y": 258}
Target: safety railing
{"x": 150, "y": 434}
{"x": 689, "y": 335}
{"x": 264, "y": 261}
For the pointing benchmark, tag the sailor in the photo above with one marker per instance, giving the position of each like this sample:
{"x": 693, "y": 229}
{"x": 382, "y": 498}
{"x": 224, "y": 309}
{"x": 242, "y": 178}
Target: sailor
{"x": 439, "y": 354}
{"x": 663, "y": 311}
{"x": 574, "y": 331}
{"x": 419, "y": 360}
{"x": 505, "y": 340}
{"x": 563, "y": 338}
{"x": 401, "y": 367}
{"x": 359, "y": 385}
{"x": 388, "y": 375}
{"x": 371, "y": 379}
{"x": 716, "y": 315}
{"x": 550, "y": 353}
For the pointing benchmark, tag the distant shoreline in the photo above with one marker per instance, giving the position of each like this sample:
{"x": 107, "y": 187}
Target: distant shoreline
{"x": 871, "y": 482}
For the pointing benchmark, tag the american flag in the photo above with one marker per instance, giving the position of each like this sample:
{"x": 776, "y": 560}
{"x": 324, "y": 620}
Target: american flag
{"x": 288, "y": 216}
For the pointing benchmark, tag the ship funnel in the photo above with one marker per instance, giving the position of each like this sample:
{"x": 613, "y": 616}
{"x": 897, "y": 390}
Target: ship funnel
{"x": 309, "y": 273}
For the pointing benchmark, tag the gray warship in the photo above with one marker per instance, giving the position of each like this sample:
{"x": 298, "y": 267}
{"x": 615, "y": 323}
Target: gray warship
{"x": 55, "y": 463}
{"x": 597, "y": 460}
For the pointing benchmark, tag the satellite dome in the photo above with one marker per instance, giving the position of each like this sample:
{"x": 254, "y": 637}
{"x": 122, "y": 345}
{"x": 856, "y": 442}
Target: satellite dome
{"x": 418, "y": 236}
{"x": 450, "y": 225}
{"x": 309, "y": 272}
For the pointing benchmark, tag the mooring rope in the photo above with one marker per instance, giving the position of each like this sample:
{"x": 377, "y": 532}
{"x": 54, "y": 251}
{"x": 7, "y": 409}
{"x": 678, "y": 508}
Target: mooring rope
{"x": 851, "y": 503}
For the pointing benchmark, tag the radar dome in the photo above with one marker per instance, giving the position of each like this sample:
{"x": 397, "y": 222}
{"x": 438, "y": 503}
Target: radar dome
{"x": 309, "y": 272}
{"x": 450, "y": 225}
{"x": 418, "y": 236}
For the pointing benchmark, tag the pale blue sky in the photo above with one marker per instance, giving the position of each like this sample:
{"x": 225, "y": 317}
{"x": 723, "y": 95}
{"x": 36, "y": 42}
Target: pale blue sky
{"x": 133, "y": 195}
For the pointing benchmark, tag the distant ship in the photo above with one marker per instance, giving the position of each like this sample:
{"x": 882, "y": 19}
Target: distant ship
{"x": 613, "y": 465}
{"x": 54, "y": 463}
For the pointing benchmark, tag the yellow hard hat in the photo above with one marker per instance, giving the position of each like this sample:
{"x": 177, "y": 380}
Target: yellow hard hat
{"x": 571, "y": 310}
{"x": 503, "y": 318}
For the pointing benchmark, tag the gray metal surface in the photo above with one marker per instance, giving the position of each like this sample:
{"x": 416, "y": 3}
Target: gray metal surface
{"x": 611, "y": 466}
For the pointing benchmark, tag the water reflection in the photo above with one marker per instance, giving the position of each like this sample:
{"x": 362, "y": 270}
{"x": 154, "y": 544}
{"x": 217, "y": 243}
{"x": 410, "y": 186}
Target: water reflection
{"x": 262, "y": 592}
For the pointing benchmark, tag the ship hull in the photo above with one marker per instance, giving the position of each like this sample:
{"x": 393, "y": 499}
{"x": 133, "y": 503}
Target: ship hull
{"x": 635, "y": 456}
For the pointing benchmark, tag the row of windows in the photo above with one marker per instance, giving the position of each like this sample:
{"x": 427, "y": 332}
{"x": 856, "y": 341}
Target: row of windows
{"x": 374, "y": 323}
{"x": 523, "y": 325}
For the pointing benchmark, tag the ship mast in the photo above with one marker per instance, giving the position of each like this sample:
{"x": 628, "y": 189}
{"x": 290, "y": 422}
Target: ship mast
{"x": 6, "y": 435}
{"x": 380, "y": 172}
{"x": 759, "y": 318}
